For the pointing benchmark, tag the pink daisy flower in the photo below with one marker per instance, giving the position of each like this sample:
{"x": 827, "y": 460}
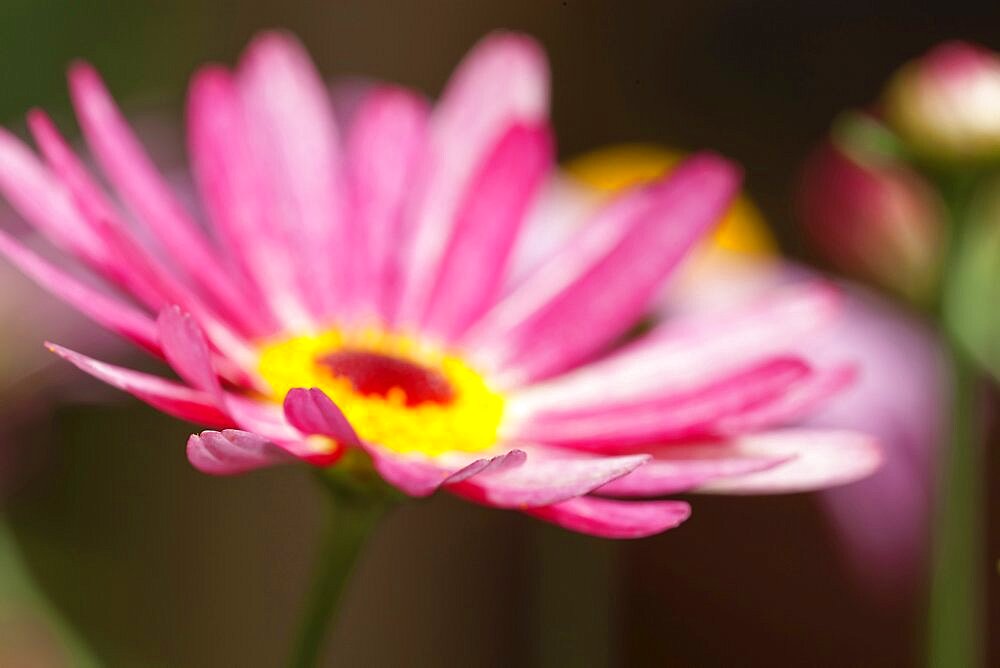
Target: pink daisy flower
{"x": 362, "y": 291}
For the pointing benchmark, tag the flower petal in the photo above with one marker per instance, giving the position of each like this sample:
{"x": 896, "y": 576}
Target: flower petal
{"x": 683, "y": 351}
{"x": 542, "y": 481}
{"x": 419, "y": 476}
{"x": 232, "y": 451}
{"x": 607, "y": 277}
{"x": 186, "y": 350}
{"x": 821, "y": 459}
{"x": 294, "y": 141}
{"x": 172, "y": 398}
{"x": 675, "y": 469}
{"x": 105, "y": 310}
{"x": 667, "y": 416}
{"x": 797, "y": 403}
{"x": 144, "y": 190}
{"x": 312, "y": 412}
{"x": 135, "y": 268}
{"x": 385, "y": 147}
{"x": 39, "y": 197}
{"x": 606, "y": 518}
{"x": 504, "y": 79}
{"x": 227, "y": 180}
{"x": 487, "y": 223}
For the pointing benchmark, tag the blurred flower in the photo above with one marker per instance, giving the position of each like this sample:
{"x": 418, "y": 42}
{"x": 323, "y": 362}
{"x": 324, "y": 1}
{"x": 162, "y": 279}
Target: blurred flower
{"x": 899, "y": 396}
{"x": 874, "y": 219}
{"x": 621, "y": 166}
{"x": 946, "y": 104}
{"x": 350, "y": 308}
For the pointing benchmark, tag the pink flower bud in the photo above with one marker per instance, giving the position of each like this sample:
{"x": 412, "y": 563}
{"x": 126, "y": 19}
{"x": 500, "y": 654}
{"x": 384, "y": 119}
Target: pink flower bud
{"x": 946, "y": 105}
{"x": 878, "y": 221}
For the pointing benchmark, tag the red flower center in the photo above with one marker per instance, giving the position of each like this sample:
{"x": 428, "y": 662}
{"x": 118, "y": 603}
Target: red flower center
{"x": 373, "y": 373}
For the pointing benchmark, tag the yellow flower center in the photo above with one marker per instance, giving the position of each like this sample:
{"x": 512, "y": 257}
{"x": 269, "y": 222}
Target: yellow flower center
{"x": 396, "y": 392}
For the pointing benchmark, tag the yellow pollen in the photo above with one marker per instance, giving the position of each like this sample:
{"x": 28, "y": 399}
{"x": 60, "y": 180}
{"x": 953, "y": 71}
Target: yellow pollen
{"x": 468, "y": 421}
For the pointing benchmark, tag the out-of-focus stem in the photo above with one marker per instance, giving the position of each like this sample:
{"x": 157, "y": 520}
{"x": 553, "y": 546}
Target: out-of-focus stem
{"x": 352, "y": 519}
{"x": 957, "y": 609}
{"x": 957, "y": 604}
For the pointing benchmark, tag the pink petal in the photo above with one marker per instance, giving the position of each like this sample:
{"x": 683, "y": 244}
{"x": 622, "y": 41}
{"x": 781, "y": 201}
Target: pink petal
{"x": 671, "y": 468}
{"x": 232, "y": 451}
{"x": 614, "y": 519}
{"x": 295, "y": 148}
{"x": 607, "y": 277}
{"x": 186, "y": 350}
{"x": 683, "y": 350}
{"x": 821, "y": 459}
{"x": 129, "y": 268}
{"x": 679, "y": 468}
{"x": 487, "y": 223}
{"x": 142, "y": 188}
{"x": 385, "y": 147}
{"x": 134, "y": 267}
{"x": 105, "y": 310}
{"x": 666, "y": 416}
{"x": 228, "y": 182}
{"x": 420, "y": 476}
{"x": 38, "y": 196}
{"x": 268, "y": 420}
{"x": 544, "y": 481}
{"x": 172, "y": 398}
{"x": 503, "y": 80}
{"x": 312, "y": 412}
{"x": 801, "y": 400}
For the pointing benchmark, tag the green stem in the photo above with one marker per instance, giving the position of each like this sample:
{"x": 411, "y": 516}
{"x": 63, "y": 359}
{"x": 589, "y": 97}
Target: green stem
{"x": 957, "y": 607}
{"x": 957, "y": 612}
{"x": 352, "y": 519}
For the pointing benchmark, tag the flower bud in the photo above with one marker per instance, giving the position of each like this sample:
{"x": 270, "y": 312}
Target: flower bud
{"x": 946, "y": 105}
{"x": 878, "y": 221}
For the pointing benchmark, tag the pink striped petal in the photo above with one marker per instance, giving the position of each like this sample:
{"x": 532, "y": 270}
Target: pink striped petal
{"x": 137, "y": 270}
{"x": 504, "y": 79}
{"x": 800, "y": 401}
{"x": 228, "y": 183}
{"x": 39, "y": 197}
{"x": 682, "y": 351}
{"x": 679, "y": 468}
{"x": 312, "y": 412}
{"x": 671, "y": 468}
{"x": 665, "y": 417}
{"x": 267, "y": 419}
{"x": 543, "y": 481}
{"x": 821, "y": 459}
{"x": 294, "y": 141}
{"x": 105, "y": 310}
{"x": 131, "y": 266}
{"x": 487, "y": 223}
{"x": 262, "y": 417}
{"x": 186, "y": 350}
{"x": 172, "y": 398}
{"x": 608, "y": 277}
{"x": 420, "y": 476}
{"x": 385, "y": 148}
{"x": 143, "y": 189}
{"x": 606, "y": 518}
{"x": 232, "y": 451}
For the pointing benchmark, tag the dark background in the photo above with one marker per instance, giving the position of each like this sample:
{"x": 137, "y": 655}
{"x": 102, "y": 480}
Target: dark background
{"x": 162, "y": 566}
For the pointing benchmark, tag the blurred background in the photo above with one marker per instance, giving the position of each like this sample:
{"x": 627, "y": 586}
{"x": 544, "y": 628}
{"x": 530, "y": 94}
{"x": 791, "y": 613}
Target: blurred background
{"x": 110, "y": 532}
